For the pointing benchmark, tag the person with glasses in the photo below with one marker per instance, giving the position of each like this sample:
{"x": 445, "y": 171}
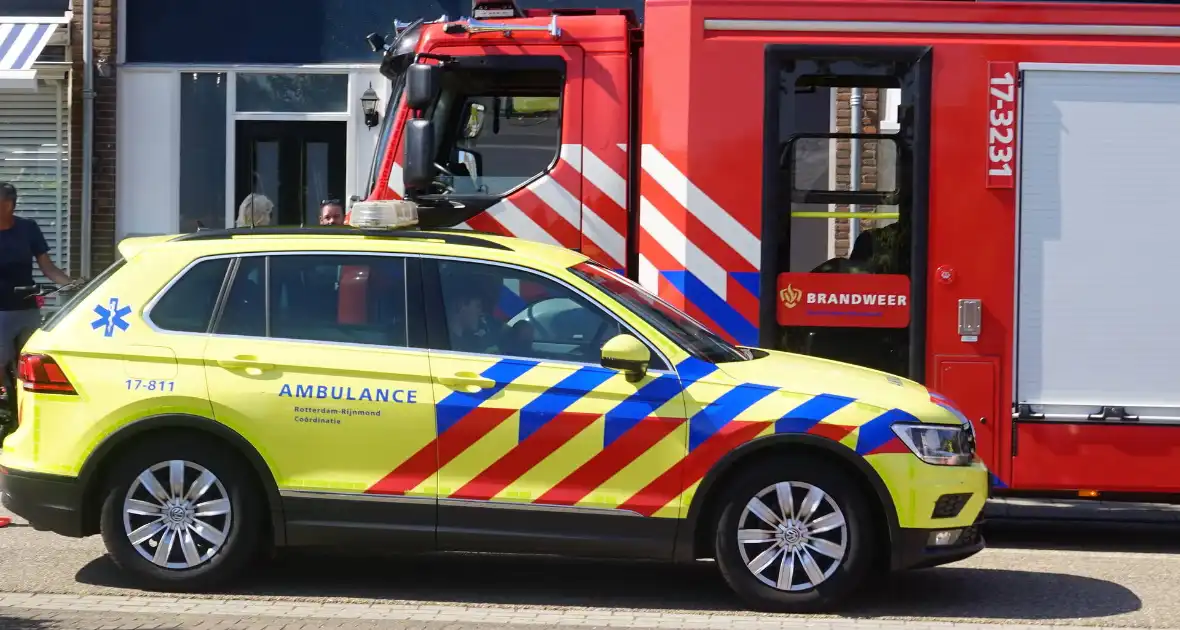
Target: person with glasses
{"x": 331, "y": 212}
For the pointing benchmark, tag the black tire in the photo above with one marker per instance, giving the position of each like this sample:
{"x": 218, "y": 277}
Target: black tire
{"x": 850, "y": 573}
{"x": 240, "y": 486}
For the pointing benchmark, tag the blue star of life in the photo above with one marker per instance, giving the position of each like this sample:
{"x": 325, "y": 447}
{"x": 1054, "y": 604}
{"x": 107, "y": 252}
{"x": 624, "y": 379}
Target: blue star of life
{"x": 110, "y": 318}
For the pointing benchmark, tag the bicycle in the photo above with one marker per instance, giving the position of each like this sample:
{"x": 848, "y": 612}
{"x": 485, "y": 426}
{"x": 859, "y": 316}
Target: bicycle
{"x": 39, "y": 292}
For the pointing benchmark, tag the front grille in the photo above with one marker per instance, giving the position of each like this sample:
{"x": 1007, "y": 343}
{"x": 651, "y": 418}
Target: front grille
{"x": 949, "y": 505}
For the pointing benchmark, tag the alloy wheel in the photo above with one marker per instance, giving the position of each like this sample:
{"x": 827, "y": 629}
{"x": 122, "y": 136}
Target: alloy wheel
{"x": 177, "y": 514}
{"x": 792, "y": 536}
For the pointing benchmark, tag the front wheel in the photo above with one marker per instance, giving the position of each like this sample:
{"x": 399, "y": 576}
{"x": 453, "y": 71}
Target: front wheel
{"x": 794, "y": 536}
{"x": 181, "y": 514}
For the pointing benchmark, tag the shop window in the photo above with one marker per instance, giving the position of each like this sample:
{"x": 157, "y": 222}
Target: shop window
{"x": 257, "y": 92}
{"x": 202, "y": 150}
{"x": 187, "y": 305}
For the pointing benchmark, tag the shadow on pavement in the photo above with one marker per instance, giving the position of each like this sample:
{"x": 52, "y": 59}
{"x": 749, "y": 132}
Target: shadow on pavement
{"x": 948, "y": 592}
{"x": 1161, "y": 538}
{"x": 8, "y": 622}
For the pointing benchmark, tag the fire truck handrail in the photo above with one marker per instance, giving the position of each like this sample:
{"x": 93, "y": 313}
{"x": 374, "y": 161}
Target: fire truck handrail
{"x": 472, "y": 25}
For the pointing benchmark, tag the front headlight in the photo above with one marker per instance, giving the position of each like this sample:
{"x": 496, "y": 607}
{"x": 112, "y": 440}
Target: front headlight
{"x": 939, "y": 444}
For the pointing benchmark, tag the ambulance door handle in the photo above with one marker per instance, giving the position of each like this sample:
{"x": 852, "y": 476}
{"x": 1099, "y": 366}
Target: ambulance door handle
{"x": 249, "y": 364}
{"x": 467, "y": 381}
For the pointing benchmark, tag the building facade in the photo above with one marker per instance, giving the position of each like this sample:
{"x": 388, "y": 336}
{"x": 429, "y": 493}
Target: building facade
{"x": 40, "y": 98}
{"x": 200, "y": 106}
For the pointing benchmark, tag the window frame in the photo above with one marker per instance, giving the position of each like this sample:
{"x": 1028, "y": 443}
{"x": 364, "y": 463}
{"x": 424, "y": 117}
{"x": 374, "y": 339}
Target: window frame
{"x": 187, "y": 269}
{"x": 526, "y": 61}
{"x": 415, "y": 312}
{"x": 438, "y": 338}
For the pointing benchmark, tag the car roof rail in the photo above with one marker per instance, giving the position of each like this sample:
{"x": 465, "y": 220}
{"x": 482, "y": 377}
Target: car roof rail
{"x": 446, "y": 236}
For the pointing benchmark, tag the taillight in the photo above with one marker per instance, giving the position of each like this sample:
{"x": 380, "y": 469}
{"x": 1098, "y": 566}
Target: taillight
{"x": 40, "y": 373}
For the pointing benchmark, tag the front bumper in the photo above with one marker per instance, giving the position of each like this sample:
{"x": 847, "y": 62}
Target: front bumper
{"x": 918, "y": 548}
{"x": 48, "y": 502}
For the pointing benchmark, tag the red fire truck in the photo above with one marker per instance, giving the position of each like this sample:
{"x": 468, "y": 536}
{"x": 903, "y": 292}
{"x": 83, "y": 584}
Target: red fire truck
{"x": 969, "y": 194}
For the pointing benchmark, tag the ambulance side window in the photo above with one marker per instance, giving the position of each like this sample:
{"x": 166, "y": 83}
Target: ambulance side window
{"x": 188, "y": 304}
{"x": 334, "y": 298}
{"x": 492, "y": 309}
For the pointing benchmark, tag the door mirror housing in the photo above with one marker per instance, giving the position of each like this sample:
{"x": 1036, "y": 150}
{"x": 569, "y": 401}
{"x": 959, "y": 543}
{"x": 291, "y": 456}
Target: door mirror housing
{"x": 422, "y": 85}
{"x": 627, "y": 354}
{"x": 418, "y": 162}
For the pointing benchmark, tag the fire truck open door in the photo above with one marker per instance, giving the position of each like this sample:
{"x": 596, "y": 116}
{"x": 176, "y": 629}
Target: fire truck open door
{"x": 845, "y": 205}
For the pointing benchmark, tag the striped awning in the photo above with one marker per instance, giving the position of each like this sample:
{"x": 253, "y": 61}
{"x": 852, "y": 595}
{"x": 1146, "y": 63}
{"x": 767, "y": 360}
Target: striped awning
{"x": 21, "y": 42}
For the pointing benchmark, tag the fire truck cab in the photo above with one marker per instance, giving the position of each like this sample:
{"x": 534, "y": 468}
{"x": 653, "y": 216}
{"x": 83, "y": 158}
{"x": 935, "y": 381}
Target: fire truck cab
{"x": 968, "y": 194}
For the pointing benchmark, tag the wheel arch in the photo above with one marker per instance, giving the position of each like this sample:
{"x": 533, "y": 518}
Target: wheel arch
{"x": 93, "y": 469}
{"x": 694, "y": 536}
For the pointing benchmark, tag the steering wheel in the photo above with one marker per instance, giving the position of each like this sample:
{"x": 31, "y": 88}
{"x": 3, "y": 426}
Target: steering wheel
{"x": 441, "y": 184}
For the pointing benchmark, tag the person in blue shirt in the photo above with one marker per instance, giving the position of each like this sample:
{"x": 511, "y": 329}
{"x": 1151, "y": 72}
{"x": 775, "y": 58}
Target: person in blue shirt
{"x": 21, "y": 244}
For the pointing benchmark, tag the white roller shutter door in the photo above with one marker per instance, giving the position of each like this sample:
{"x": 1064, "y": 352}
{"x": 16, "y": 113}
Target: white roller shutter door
{"x": 34, "y": 156}
{"x": 1099, "y": 252}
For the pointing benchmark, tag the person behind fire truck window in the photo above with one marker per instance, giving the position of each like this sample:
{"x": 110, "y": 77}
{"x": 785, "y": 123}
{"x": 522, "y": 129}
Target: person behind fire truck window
{"x": 21, "y": 243}
{"x": 331, "y": 212}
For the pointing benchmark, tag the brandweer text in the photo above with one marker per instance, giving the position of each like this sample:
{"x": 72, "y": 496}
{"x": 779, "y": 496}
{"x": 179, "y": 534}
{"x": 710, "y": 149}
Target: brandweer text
{"x": 868, "y": 299}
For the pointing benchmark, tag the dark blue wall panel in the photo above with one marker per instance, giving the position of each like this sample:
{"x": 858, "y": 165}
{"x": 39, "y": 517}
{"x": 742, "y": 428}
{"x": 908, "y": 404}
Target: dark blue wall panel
{"x": 283, "y": 31}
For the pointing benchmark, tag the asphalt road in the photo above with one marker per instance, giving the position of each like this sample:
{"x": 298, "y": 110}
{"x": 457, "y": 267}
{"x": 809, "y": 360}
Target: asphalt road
{"x": 1110, "y": 576}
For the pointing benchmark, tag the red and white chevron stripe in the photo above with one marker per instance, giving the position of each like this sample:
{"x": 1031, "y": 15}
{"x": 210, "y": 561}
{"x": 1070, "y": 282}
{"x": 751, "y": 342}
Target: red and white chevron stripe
{"x": 548, "y": 210}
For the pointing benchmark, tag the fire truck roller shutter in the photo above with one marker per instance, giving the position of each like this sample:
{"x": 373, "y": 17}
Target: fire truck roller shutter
{"x": 1098, "y": 222}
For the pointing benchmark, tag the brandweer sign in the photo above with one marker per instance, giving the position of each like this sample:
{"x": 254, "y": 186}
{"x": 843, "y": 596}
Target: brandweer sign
{"x": 843, "y": 299}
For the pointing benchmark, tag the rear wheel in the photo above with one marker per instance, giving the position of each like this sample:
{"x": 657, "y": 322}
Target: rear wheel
{"x": 794, "y": 536}
{"x": 181, "y": 514}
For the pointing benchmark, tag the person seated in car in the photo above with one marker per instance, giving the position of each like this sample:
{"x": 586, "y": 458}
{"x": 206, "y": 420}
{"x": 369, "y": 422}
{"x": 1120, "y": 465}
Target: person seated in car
{"x": 469, "y": 325}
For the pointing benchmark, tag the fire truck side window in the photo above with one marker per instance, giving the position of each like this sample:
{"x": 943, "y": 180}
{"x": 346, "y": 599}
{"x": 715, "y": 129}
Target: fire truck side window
{"x": 498, "y": 130}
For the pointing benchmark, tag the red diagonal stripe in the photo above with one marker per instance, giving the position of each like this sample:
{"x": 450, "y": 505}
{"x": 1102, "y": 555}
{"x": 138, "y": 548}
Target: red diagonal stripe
{"x": 835, "y": 432}
{"x": 483, "y": 222}
{"x": 521, "y": 459}
{"x": 438, "y": 453}
{"x": 894, "y": 445}
{"x": 609, "y": 461}
{"x": 692, "y": 468}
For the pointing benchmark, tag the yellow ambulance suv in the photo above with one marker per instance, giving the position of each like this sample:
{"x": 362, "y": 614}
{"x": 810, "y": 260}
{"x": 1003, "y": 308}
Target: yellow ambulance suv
{"x": 218, "y": 394}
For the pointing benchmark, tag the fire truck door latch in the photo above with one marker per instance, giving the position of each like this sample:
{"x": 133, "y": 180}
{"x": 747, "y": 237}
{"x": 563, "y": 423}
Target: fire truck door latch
{"x": 970, "y": 319}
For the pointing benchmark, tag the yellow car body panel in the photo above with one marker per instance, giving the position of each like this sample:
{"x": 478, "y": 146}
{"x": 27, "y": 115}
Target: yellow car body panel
{"x": 417, "y": 423}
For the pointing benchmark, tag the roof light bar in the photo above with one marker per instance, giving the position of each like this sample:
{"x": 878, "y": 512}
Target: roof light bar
{"x": 386, "y": 214}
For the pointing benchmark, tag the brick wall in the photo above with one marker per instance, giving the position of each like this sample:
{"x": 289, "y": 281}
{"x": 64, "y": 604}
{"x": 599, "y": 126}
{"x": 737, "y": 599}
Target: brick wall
{"x": 870, "y": 117}
{"x": 102, "y": 221}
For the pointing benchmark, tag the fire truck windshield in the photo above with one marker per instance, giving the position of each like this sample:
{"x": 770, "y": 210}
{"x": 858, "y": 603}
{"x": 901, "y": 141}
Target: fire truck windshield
{"x": 669, "y": 320}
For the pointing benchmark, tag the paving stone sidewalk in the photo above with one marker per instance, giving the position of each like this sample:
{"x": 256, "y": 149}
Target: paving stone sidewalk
{"x": 22, "y": 611}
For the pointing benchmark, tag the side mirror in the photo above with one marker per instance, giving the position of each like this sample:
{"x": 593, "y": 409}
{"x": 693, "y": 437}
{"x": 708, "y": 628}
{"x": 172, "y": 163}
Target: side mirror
{"x": 418, "y": 162}
{"x": 475, "y": 116}
{"x": 627, "y": 354}
{"x": 422, "y": 85}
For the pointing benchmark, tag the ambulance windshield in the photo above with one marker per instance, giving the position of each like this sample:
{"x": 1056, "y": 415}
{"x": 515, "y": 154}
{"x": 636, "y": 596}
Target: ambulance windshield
{"x": 678, "y": 326}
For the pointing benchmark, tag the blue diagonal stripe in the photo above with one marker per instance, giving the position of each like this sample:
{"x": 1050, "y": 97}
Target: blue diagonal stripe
{"x": 558, "y": 398}
{"x": 652, "y": 396}
{"x": 810, "y": 413}
{"x": 23, "y": 60}
{"x": 712, "y": 305}
{"x": 708, "y": 421}
{"x": 7, "y": 43}
{"x": 876, "y": 432}
{"x": 458, "y": 404}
